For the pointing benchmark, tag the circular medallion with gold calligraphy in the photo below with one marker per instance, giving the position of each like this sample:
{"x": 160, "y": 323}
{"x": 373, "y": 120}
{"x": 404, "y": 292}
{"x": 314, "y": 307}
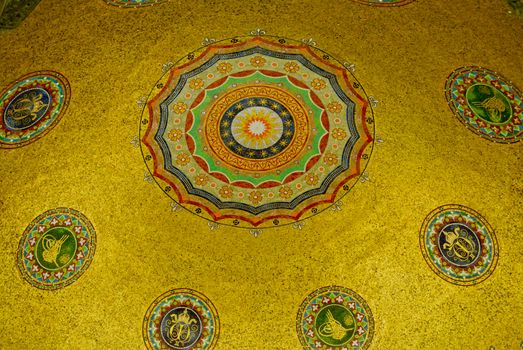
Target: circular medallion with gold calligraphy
{"x": 31, "y": 107}
{"x": 181, "y": 319}
{"x": 459, "y": 245}
{"x": 257, "y": 131}
{"x": 335, "y": 318}
{"x": 486, "y": 103}
{"x": 56, "y": 248}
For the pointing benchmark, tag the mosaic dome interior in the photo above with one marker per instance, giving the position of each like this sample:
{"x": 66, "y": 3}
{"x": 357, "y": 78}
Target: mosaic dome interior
{"x": 261, "y": 174}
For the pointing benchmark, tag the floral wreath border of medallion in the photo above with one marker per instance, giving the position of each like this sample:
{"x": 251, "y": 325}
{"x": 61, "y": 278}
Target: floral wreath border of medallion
{"x": 128, "y": 5}
{"x": 362, "y": 303}
{"x": 462, "y": 118}
{"x": 363, "y": 158}
{"x": 181, "y": 291}
{"x": 482, "y": 220}
{"x": 62, "y": 111}
{"x": 86, "y": 223}
{"x": 390, "y": 4}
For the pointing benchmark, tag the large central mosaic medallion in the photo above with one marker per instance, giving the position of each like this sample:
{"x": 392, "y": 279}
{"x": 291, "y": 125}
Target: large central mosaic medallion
{"x": 56, "y": 248}
{"x": 31, "y": 107}
{"x": 181, "y": 319}
{"x": 459, "y": 245}
{"x": 257, "y": 131}
{"x": 486, "y": 104}
{"x": 335, "y": 318}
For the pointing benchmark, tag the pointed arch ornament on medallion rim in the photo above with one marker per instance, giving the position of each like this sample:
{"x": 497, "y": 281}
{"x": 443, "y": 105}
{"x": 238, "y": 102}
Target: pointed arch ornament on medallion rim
{"x": 56, "y": 248}
{"x": 181, "y": 319}
{"x": 459, "y": 245}
{"x": 336, "y": 318}
{"x": 32, "y": 106}
{"x": 257, "y": 131}
{"x": 486, "y": 103}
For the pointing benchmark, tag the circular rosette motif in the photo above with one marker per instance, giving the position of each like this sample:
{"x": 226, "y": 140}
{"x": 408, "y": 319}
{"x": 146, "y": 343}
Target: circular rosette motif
{"x": 459, "y": 245}
{"x": 31, "y": 107}
{"x": 335, "y": 318}
{"x": 181, "y": 319}
{"x": 257, "y": 131}
{"x": 486, "y": 104}
{"x": 134, "y": 3}
{"x": 384, "y": 3}
{"x": 56, "y": 248}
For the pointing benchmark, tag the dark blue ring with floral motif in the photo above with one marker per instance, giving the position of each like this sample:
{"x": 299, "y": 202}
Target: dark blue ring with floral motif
{"x": 230, "y": 142}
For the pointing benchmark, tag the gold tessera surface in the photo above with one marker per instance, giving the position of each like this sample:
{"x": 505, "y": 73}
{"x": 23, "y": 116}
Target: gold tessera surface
{"x": 403, "y": 55}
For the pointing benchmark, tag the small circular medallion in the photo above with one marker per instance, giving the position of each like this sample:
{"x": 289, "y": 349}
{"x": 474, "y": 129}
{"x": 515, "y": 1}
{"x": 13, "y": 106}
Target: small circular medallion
{"x": 56, "y": 248}
{"x": 486, "y": 103}
{"x": 489, "y": 104}
{"x": 31, "y": 107}
{"x": 335, "y": 318}
{"x": 459, "y": 245}
{"x": 181, "y": 319}
{"x": 26, "y": 109}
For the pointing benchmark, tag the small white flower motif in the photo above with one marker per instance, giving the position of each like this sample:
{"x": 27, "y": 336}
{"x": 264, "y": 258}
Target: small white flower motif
{"x": 135, "y": 141}
{"x": 258, "y": 31}
{"x": 207, "y": 41}
{"x": 308, "y": 41}
{"x": 141, "y": 102}
{"x": 298, "y": 225}
{"x": 365, "y": 177}
{"x": 147, "y": 177}
{"x": 373, "y": 101}
{"x": 255, "y": 233}
{"x": 350, "y": 66}
{"x": 213, "y": 225}
{"x": 166, "y": 67}
{"x": 378, "y": 140}
{"x": 337, "y": 206}
{"x": 175, "y": 207}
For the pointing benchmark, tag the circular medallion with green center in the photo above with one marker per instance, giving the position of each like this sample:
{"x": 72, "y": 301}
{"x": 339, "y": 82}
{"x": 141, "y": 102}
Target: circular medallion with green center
{"x": 335, "y": 318}
{"x": 489, "y": 103}
{"x": 486, "y": 103}
{"x": 335, "y": 325}
{"x": 56, "y": 248}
